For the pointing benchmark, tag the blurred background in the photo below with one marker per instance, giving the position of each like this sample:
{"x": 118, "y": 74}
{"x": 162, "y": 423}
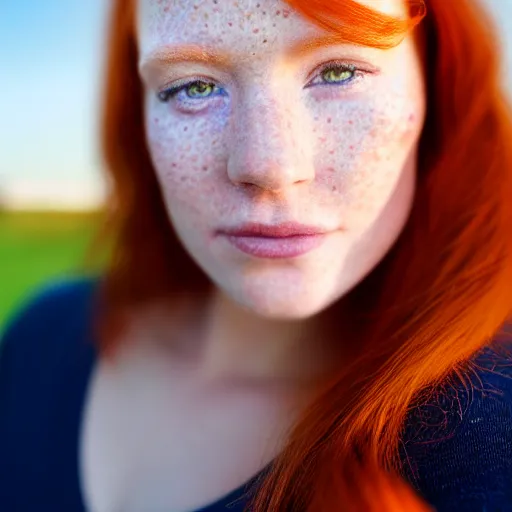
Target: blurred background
{"x": 51, "y": 188}
{"x": 51, "y": 55}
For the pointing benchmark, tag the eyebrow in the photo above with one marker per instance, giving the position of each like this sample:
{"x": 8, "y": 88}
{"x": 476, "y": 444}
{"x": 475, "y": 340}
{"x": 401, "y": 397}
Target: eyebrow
{"x": 194, "y": 53}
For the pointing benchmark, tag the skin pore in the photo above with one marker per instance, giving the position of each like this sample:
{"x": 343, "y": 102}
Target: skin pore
{"x": 248, "y": 121}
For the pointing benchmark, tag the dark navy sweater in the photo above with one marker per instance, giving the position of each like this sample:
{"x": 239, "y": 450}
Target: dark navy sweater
{"x": 458, "y": 448}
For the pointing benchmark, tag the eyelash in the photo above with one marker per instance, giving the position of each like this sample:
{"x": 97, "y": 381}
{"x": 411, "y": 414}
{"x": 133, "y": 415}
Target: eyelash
{"x": 171, "y": 92}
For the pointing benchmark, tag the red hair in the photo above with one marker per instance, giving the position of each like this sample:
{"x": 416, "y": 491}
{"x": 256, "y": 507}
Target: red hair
{"x": 439, "y": 296}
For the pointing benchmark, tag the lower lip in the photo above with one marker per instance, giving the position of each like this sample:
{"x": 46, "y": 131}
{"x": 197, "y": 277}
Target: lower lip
{"x": 276, "y": 247}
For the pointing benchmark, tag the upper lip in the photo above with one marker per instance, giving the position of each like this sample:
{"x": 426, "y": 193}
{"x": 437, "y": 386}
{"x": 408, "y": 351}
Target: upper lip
{"x": 285, "y": 229}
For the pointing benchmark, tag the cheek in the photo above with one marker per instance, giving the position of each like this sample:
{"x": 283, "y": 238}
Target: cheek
{"x": 363, "y": 148}
{"x": 188, "y": 156}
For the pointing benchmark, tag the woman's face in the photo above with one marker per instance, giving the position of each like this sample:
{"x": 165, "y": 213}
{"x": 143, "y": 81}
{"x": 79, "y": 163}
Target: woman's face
{"x": 248, "y": 122}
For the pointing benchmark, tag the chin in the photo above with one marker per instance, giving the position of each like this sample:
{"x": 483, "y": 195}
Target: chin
{"x": 275, "y": 304}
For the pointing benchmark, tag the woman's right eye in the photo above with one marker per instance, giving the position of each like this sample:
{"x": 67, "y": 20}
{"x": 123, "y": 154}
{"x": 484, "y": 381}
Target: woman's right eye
{"x": 190, "y": 91}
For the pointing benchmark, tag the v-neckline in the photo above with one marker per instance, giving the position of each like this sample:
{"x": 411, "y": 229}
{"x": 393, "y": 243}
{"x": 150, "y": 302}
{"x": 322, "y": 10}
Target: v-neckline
{"x": 86, "y": 360}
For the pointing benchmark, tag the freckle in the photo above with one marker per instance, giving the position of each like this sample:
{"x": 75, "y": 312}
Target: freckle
{"x": 264, "y": 40}
{"x": 204, "y": 168}
{"x": 183, "y": 178}
{"x": 166, "y": 9}
{"x": 256, "y": 30}
{"x": 230, "y": 24}
{"x": 173, "y": 164}
{"x": 196, "y": 7}
{"x": 206, "y": 25}
{"x": 329, "y": 120}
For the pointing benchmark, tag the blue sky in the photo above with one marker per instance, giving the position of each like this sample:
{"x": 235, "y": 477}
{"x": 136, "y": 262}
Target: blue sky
{"x": 50, "y": 62}
{"x": 50, "y": 52}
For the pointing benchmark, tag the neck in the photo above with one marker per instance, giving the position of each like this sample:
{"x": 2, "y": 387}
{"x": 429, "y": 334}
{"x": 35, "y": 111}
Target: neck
{"x": 235, "y": 344}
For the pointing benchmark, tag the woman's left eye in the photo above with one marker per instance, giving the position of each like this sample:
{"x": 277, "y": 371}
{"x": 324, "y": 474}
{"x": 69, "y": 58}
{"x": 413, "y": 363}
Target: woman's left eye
{"x": 336, "y": 74}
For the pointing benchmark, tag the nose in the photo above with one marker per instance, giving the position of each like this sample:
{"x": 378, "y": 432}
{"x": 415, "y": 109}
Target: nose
{"x": 271, "y": 144}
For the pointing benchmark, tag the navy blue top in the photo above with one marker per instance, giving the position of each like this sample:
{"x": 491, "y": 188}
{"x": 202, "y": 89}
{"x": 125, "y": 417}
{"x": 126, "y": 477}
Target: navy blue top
{"x": 458, "y": 448}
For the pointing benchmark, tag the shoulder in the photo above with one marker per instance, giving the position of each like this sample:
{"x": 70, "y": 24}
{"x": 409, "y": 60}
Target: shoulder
{"x": 457, "y": 448}
{"x": 46, "y": 356}
{"x": 56, "y": 303}
{"x": 39, "y": 331}
{"x": 50, "y": 302}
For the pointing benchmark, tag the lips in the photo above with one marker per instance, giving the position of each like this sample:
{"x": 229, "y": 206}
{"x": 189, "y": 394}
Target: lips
{"x": 286, "y": 229}
{"x": 287, "y": 240}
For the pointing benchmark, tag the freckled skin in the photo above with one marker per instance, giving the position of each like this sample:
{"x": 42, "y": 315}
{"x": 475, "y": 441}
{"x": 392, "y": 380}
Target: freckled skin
{"x": 271, "y": 149}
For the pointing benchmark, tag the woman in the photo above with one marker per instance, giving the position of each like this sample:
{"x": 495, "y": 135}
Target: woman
{"x": 308, "y": 296}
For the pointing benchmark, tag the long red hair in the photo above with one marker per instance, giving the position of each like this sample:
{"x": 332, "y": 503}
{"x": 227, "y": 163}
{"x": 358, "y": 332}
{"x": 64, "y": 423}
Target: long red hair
{"x": 439, "y": 296}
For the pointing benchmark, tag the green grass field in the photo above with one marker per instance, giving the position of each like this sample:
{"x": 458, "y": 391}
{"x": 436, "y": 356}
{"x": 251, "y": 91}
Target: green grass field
{"x": 36, "y": 247}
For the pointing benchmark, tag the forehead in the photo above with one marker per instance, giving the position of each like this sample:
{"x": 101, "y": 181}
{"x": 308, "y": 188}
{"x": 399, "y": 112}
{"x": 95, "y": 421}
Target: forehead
{"x": 226, "y": 22}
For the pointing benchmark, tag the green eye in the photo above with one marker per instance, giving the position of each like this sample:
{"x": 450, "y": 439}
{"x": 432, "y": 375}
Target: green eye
{"x": 338, "y": 74}
{"x": 196, "y": 90}
{"x": 199, "y": 89}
